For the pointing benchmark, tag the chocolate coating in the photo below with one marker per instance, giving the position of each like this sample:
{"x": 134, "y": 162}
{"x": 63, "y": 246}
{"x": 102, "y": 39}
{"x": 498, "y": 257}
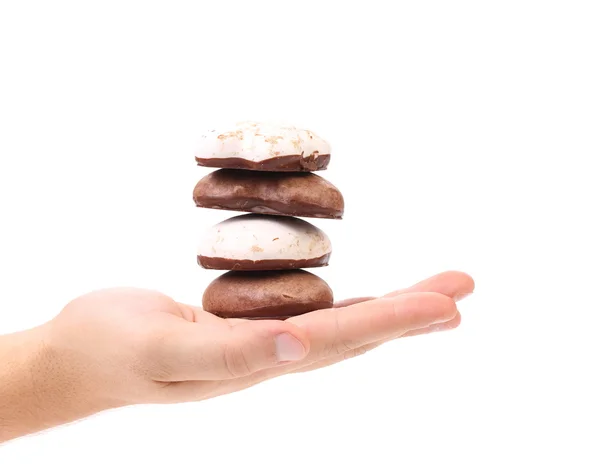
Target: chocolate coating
{"x": 288, "y": 163}
{"x": 266, "y": 295}
{"x": 287, "y": 194}
{"x": 219, "y": 263}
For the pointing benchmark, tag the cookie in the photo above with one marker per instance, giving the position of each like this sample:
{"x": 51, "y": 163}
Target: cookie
{"x": 276, "y": 193}
{"x": 266, "y": 147}
{"x": 266, "y": 295}
{"x": 259, "y": 242}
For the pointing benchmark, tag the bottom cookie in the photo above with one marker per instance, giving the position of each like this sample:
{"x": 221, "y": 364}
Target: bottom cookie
{"x": 266, "y": 294}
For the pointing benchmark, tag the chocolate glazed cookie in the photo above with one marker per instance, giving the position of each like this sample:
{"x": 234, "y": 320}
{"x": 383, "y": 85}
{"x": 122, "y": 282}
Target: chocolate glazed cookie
{"x": 265, "y": 147}
{"x": 253, "y": 242}
{"x": 288, "y": 194}
{"x": 266, "y": 295}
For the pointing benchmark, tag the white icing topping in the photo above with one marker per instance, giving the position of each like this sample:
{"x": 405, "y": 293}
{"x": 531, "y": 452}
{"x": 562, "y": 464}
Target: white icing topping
{"x": 260, "y": 141}
{"x": 258, "y": 237}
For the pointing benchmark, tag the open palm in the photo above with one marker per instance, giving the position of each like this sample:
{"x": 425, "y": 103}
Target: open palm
{"x": 143, "y": 346}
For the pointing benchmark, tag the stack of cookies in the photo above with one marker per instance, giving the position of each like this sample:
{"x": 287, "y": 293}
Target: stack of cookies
{"x": 265, "y": 172}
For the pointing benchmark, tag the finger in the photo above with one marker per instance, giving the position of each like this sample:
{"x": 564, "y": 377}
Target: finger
{"x": 195, "y": 390}
{"x": 191, "y": 351}
{"x": 353, "y": 301}
{"x": 440, "y": 309}
{"x": 453, "y": 284}
{"x": 339, "y": 358}
{"x": 437, "y": 327}
{"x": 337, "y": 330}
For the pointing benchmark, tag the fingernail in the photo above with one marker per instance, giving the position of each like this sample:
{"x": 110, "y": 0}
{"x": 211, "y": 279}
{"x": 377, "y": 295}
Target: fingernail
{"x": 462, "y": 296}
{"x": 288, "y": 348}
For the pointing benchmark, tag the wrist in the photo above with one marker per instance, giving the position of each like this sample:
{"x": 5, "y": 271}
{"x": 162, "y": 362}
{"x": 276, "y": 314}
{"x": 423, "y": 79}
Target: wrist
{"x": 70, "y": 375}
{"x": 41, "y": 386}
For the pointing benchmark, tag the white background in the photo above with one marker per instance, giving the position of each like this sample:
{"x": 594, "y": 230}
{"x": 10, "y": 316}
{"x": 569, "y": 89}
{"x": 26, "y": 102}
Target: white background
{"x": 465, "y": 136}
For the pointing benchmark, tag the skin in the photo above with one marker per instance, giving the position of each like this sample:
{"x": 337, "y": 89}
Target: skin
{"x": 120, "y": 347}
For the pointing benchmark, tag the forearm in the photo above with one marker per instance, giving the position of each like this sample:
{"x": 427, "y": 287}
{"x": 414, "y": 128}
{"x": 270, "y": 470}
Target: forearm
{"x": 37, "y": 390}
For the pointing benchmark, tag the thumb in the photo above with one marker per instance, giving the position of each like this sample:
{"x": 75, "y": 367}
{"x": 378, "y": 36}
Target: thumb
{"x": 193, "y": 352}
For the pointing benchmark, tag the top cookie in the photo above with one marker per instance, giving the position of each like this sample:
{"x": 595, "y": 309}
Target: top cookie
{"x": 256, "y": 146}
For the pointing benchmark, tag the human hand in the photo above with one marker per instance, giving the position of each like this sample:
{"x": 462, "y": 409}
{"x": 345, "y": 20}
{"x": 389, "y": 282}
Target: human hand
{"x": 127, "y": 346}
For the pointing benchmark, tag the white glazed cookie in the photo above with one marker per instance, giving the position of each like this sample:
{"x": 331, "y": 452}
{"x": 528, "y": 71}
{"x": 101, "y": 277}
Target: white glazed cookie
{"x": 258, "y": 242}
{"x": 258, "y": 146}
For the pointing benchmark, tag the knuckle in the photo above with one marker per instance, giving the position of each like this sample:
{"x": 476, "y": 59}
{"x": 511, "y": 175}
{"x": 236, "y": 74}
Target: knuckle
{"x": 338, "y": 344}
{"x": 236, "y": 362}
{"x": 344, "y": 346}
{"x": 327, "y": 350}
{"x": 361, "y": 350}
